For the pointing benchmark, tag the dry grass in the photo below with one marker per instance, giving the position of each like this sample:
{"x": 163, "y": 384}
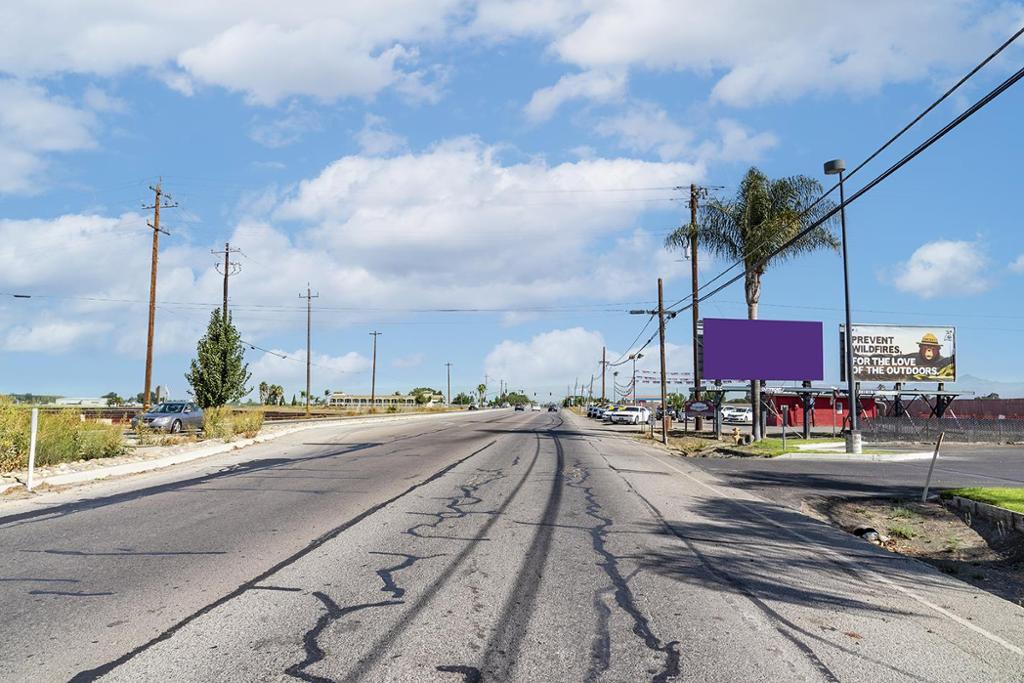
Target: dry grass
{"x": 62, "y": 437}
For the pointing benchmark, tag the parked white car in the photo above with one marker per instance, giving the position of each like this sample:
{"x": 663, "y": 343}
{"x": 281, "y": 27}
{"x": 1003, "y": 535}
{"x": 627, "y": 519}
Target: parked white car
{"x": 737, "y": 415}
{"x": 632, "y": 415}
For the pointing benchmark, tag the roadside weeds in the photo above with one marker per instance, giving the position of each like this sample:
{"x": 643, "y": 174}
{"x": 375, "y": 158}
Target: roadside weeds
{"x": 978, "y": 553}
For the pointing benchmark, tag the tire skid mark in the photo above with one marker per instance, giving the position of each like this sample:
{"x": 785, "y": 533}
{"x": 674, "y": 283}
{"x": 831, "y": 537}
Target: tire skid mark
{"x": 515, "y": 614}
{"x": 387, "y": 574}
{"x": 623, "y": 595}
{"x": 430, "y": 592}
{"x": 470, "y": 674}
{"x": 103, "y": 669}
{"x": 601, "y": 644}
{"x": 314, "y": 653}
{"x": 775, "y": 619}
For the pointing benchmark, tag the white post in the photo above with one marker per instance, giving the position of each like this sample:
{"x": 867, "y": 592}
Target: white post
{"x": 928, "y": 480}
{"x": 785, "y": 419}
{"x": 32, "y": 447}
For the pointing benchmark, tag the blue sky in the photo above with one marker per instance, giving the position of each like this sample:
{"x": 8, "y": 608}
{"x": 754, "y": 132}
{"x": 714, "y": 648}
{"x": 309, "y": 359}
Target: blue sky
{"x": 405, "y": 157}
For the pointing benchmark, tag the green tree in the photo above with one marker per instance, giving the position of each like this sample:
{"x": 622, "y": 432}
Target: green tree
{"x": 113, "y": 400}
{"x": 763, "y": 215}
{"x": 676, "y": 401}
{"x": 218, "y": 373}
{"x": 462, "y": 399}
{"x": 423, "y": 394}
{"x": 517, "y": 398}
{"x": 264, "y": 393}
{"x": 294, "y": 400}
{"x": 482, "y": 390}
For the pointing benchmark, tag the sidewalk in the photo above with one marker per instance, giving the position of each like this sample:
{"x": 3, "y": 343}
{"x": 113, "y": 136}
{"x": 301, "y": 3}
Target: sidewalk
{"x": 148, "y": 458}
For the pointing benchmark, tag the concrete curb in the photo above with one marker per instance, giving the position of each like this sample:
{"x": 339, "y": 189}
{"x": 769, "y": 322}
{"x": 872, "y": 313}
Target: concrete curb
{"x": 206, "y": 450}
{"x": 865, "y": 457}
{"x": 1003, "y": 519}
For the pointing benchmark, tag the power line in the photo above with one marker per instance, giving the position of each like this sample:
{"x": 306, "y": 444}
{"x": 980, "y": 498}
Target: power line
{"x": 872, "y": 156}
{"x": 935, "y": 137}
{"x": 581, "y": 308}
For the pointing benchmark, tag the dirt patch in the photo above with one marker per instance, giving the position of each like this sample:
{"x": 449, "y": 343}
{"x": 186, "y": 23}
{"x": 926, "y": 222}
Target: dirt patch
{"x": 979, "y": 554}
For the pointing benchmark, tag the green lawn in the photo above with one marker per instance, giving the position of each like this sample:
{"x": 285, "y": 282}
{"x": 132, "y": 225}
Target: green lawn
{"x": 1011, "y": 499}
{"x": 773, "y": 446}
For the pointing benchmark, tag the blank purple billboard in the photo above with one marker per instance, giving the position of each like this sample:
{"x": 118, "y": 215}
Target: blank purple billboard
{"x": 763, "y": 349}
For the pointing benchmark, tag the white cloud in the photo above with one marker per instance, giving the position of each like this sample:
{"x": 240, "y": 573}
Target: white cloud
{"x": 97, "y": 99}
{"x": 551, "y": 360}
{"x": 547, "y": 360}
{"x": 327, "y": 372}
{"x": 735, "y": 143}
{"x": 411, "y": 360}
{"x": 472, "y": 232}
{"x": 52, "y": 336}
{"x": 944, "y": 268}
{"x": 646, "y": 127}
{"x": 268, "y": 51}
{"x": 375, "y": 139}
{"x": 34, "y": 124}
{"x": 800, "y": 46}
{"x": 286, "y": 130}
{"x": 1018, "y": 265}
{"x": 599, "y": 86}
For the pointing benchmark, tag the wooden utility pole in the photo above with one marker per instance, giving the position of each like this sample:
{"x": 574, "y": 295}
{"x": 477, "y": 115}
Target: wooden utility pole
{"x": 664, "y": 385}
{"x": 161, "y": 201}
{"x": 449, "y": 368}
{"x": 604, "y": 365}
{"x": 230, "y": 269}
{"x": 373, "y": 373}
{"x": 699, "y": 421}
{"x": 309, "y": 333}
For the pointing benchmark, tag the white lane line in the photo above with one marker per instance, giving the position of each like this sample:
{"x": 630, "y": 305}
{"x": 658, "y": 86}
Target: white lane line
{"x": 850, "y": 563}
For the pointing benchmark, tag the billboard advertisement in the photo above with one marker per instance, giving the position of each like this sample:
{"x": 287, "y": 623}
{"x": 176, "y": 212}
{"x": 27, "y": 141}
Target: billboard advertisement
{"x": 763, "y": 349}
{"x": 901, "y": 353}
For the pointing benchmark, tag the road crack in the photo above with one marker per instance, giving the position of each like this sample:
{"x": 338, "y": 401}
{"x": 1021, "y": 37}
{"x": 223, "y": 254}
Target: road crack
{"x": 609, "y": 564}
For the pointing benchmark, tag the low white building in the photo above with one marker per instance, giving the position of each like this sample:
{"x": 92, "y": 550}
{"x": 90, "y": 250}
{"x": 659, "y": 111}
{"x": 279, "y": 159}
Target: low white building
{"x": 81, "y": 402}
{"x": 343, "y": 400}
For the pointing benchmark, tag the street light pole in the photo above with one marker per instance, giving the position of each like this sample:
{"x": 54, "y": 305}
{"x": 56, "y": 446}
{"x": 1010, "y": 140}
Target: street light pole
{"x": 449, "y": 368}
{"x": 373, "y": 375}
{"x": 853, "y": 442}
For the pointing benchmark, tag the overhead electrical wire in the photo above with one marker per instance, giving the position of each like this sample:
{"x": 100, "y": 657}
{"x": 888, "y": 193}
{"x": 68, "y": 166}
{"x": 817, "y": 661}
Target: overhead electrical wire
{"x": 935, "y": 137}
{"x": 995, "y": 53}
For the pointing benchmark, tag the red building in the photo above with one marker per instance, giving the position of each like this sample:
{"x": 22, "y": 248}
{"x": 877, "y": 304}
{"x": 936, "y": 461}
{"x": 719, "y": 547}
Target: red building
{"x": 827, "y": 410}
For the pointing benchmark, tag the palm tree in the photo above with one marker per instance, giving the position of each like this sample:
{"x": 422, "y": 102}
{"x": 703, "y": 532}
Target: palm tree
{"x": 764, "y": 215}
{"x": 482, "y": 390}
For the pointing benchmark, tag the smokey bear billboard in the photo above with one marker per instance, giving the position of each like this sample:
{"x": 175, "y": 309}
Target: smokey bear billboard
{"x": 901, "y": 353}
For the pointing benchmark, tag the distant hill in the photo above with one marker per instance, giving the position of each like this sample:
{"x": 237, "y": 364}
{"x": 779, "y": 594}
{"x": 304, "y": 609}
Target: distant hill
{"x": 982, "y": 387}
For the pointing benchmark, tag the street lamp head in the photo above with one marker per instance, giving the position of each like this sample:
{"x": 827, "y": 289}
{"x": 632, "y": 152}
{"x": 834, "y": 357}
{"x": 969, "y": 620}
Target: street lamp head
{"x": 835, "y": 166}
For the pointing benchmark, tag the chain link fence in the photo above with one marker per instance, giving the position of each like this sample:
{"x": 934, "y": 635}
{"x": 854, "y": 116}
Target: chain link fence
{"x": 963, "y": 429}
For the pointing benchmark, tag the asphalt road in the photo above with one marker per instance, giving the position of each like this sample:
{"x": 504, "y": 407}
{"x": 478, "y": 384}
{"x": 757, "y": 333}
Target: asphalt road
{"x": 496, "y": 546}
{"x": 790, "y": 481}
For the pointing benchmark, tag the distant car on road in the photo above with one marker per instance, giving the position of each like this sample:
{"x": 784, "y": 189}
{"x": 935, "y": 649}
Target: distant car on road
{"x": 552, "y": 408}
{"x": 473, "y": 407}
{"x": 737, "y": 414}
{"x": 520, "y": 408}
{"x": 535, "y": 408}
{"x": 171, "y": 416}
